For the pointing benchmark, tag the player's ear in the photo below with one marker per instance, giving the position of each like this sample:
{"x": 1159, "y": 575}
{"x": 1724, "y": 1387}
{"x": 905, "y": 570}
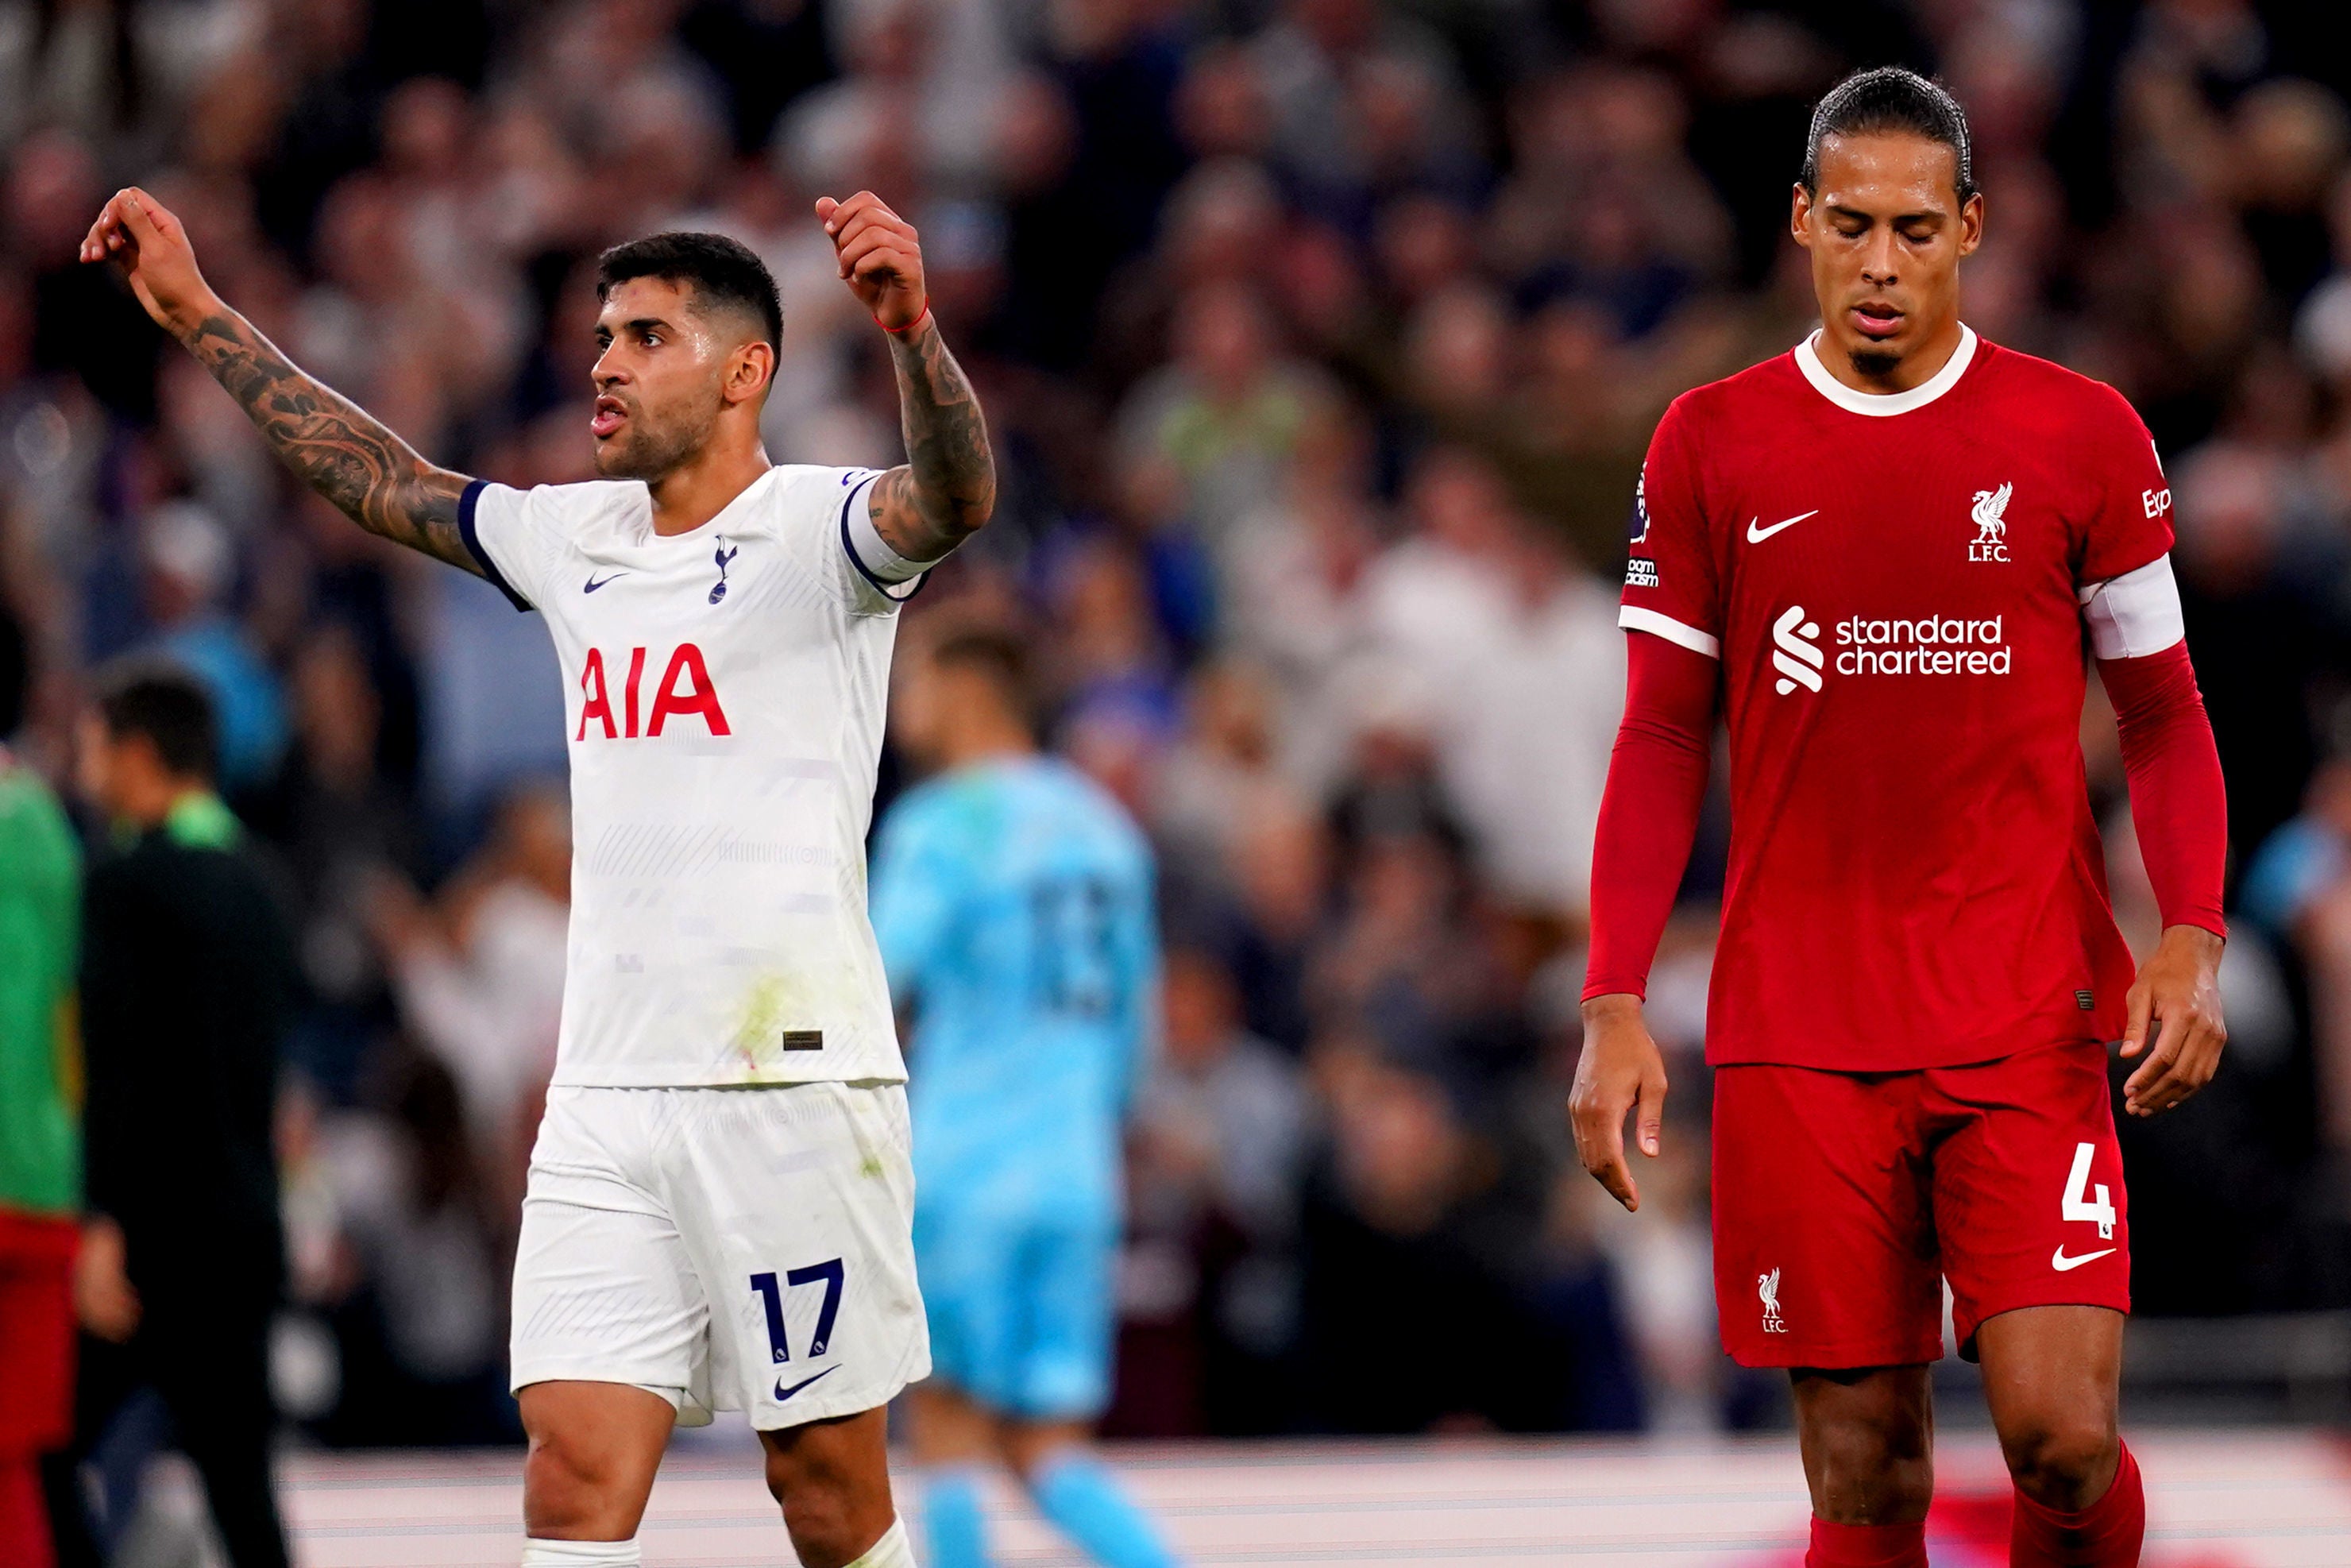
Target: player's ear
{"x": 753, "y": 368}
{"x": 1972, "y": 223}
{"x": 1799, "y": 215}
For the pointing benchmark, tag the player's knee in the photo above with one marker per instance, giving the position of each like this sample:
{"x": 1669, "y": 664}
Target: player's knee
{"x": 1869, "y": 1472}
{"x": 2058, "y": 1459}
{"x": 826, "y": 1527}
{"x": 573, "y": 1490}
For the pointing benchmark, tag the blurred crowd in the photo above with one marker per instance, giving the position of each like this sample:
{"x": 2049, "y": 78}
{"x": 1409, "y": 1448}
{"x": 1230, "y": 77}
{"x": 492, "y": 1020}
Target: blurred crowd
{"x": 1321, "y": 340}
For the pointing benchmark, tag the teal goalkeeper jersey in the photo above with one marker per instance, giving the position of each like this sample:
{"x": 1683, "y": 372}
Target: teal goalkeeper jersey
{"x": 1013, "y": 902}
{"x": 40, "y": 914}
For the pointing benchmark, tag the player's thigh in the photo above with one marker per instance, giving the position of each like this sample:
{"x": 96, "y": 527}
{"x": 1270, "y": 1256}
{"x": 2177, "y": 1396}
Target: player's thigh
{"x": 1065, "y": 1317}
{"x": 832, "y": 1478}
{"x": 2028, "y": 1195}
{"x": 797, "y": 1206}
{"x": 2052, "y": 1377}
{"x": 1824, "y": 1245}
{"x": 1867, "y": 1437}
{"x": 594, "y": 1450}
{"x": 605, "y": 1289}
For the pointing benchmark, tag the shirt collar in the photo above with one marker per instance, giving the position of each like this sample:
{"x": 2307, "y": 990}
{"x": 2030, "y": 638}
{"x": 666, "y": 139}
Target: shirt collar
{"x": 1881, "y": 405}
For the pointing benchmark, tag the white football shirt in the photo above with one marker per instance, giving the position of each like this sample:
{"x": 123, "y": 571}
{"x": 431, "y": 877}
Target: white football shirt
{"x": 724, "y": 694}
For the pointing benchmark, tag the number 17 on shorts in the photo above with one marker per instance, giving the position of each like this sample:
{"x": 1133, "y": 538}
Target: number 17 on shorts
{"x": 772, "y": 1294}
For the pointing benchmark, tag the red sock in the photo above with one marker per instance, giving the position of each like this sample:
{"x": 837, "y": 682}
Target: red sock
{"x": 2106, "y": 1534}
{"x": 1867, "y": 1545}
{"x": 24, "y": 1517}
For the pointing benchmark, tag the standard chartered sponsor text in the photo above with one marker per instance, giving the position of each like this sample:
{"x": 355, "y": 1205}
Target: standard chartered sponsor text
{"x": 1922, "y": 645}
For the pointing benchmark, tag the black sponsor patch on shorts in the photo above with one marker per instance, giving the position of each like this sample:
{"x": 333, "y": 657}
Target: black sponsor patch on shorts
{"x": 2088, "y": 1002}
{"x": 813, "y": 1040}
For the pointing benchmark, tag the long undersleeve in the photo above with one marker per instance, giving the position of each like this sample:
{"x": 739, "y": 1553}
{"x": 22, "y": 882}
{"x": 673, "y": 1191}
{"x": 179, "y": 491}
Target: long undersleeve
{"x": 2178, "y": 801}
{"x": 1649, "y": 810}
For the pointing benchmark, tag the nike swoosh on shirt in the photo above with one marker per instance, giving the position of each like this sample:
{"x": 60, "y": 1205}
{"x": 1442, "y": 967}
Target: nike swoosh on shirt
{"x": 2059, "y": 1261}
{"x": 783, "y": 1392}
{"x": 595, "y": 583}
{"x": 1756, "y": 535}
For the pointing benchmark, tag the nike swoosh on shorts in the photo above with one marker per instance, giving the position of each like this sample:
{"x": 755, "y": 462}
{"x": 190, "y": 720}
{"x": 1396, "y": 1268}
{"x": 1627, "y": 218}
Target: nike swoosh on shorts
{"x": 783, "y": 1392}
{"x": 2059, "y": 1261}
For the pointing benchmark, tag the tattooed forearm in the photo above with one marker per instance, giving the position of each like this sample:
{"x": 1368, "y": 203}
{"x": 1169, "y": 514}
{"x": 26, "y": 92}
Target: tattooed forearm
{"x": 947, "y": 488}
{"x": 368, "y": 473}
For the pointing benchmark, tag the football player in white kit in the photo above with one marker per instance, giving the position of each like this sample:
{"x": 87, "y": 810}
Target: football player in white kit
{"x": 720, "y": 1200}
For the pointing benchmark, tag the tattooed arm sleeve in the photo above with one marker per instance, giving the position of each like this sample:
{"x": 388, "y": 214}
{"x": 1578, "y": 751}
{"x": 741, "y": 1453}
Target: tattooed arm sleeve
{"x": 947, "y": 489}
{"x": 372, "y": 475}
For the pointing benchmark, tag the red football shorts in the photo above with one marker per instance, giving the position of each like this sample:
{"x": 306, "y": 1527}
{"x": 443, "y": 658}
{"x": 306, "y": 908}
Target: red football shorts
{"x": 37, "y": 1333}
{"x": 1842, "y": 1200}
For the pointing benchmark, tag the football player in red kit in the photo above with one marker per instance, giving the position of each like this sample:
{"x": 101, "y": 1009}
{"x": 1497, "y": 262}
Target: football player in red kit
{"x": 1882, "y": 557}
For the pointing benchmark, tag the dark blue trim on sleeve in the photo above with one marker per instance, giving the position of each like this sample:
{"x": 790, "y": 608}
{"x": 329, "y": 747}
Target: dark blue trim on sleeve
{"x": 465, "y": 530}
{"x": 849, "y": 550}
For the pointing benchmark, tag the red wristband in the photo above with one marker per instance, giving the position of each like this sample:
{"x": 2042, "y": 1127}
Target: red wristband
{"x": 902, "y": 332}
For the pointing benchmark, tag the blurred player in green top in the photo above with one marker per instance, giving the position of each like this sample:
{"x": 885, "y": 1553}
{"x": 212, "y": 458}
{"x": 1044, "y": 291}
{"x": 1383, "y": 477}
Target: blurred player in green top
{"x": 40, "y": 1147}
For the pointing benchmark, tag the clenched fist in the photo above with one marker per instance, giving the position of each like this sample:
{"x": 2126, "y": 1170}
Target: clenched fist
{"x": 880, "y": 257}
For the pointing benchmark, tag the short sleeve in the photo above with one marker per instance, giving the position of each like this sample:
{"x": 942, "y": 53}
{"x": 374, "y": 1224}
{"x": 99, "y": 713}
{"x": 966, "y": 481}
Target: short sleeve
{"x": 1670, "y": 583}
{"x": 2129, "y": 511}
{"x": 512, "y": 537}
{"x": 827, "y": 522}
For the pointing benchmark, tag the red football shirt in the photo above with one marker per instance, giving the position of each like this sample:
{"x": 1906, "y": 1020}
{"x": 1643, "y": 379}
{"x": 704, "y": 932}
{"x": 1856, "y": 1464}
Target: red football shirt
{"x": 1894, "y": 587}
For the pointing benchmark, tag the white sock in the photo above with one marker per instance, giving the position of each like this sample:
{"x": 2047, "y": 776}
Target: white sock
{"x": 892, "y": 1551}
{"x": 536, "y": 1554}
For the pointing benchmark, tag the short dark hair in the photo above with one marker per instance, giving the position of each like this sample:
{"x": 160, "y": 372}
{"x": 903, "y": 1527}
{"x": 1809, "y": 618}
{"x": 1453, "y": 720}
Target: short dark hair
{"x": 1890, "y": 98}
{"x": 998, "y": 654}
{"x": 167, "y": 705}
{"x": 723, "y": 271}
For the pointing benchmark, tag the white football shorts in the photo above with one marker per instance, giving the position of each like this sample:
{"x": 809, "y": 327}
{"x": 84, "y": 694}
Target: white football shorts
{"x": 728, "y": 1248}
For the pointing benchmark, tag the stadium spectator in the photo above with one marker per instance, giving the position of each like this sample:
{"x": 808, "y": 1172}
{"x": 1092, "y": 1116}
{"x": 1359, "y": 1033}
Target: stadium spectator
{"x": 479, "y": 974}
{"x": 428, "y": 1239}
{"x": 188, "y": 982}
{"x": 1220, "y": 1147}
{"x": 40, "y": 885}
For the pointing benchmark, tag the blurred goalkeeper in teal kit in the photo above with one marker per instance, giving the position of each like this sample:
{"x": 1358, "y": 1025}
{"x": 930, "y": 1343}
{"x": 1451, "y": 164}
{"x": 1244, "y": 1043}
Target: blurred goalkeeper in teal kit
{"x": 1013, "y": 900}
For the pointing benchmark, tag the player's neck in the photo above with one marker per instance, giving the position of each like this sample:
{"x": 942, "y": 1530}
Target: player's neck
{"x": 701, "y": 487}
{"x": 1912, "y": 371}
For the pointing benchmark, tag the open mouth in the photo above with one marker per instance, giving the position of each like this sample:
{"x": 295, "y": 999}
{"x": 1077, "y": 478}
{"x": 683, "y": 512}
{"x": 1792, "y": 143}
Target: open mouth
{"x": 609, "y": 416}
{"x": 1875, "y": 318}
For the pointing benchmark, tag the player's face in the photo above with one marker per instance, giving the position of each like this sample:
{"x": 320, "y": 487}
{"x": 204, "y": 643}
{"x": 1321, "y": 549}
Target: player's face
{"x": 1886, "y": 230}
{"x": 665, "y": 372}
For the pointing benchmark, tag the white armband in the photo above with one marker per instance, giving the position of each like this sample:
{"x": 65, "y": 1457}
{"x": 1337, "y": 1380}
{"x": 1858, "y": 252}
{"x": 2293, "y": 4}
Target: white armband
{"x": 2134, "y": 614}
{"x": 874, "y": 558}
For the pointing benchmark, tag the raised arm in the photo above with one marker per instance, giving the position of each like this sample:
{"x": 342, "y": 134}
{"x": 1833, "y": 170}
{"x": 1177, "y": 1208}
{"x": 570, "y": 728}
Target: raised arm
{"x": 370, "y": 474}
{"x": 945, "y": 491}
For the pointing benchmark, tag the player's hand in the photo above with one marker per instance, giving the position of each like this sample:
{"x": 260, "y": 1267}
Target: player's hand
{"x": 2177, "y": 999}
{"x": 1620, "y": 1071}
{"x": 880, "y": 256}
{"x": 104, "y": 1300}
{"x": 149, "y": 246}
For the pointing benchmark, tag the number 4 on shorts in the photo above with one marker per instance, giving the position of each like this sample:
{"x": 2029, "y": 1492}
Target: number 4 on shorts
{"x": 772, "y": 1297}
{"x": 2079, "y": 1204}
